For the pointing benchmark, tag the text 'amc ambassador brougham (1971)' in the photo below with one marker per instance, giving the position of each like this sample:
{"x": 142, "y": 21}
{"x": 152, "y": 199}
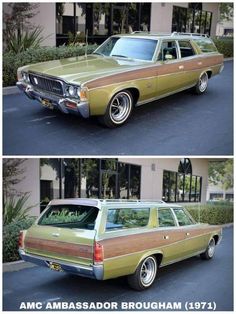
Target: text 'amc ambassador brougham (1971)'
{"x": 124, "y": 72}
{"x": 103, "y": 239}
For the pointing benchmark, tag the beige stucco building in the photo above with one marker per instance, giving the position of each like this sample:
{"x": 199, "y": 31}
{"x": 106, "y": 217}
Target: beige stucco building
{"x": 180, "y": 180}
{"x": 58, "y": 20}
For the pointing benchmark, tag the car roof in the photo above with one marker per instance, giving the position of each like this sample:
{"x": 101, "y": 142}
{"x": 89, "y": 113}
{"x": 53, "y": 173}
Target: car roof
{"x": 111, "y": 202}
{"x": 156, "y": 36}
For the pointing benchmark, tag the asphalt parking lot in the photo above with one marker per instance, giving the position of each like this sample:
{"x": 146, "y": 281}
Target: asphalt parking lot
{"x": 182, "y": 124}
{"x": 190, "y": 280}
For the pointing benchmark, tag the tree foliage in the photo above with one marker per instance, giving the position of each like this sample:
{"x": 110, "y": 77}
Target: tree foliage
{"x": 226, "y": 11}
{"x": 221, "y": 172}
{"x": 13, "y": 170}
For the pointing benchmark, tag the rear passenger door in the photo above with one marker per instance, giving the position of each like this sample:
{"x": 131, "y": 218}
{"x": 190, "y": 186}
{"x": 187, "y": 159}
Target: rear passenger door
{"x": 171, "y": 238}
{"x": 190, "y": 63}
{"x": 170, "y": 72}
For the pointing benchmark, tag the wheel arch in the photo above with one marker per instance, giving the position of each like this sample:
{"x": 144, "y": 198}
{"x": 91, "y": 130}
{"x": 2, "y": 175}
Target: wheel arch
{"x": 157, "y": 254}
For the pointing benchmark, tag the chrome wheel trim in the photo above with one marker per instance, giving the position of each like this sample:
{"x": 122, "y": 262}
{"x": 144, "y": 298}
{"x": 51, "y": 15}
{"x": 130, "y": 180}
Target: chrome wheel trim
{"x": 148, "y": 271}
{"x": 120, "y": 107}
{"x": 203, "y": 82}
{"x": 211, "y": 248}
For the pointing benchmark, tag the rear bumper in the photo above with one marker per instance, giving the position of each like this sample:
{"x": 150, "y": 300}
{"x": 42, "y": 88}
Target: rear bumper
{"x": 94, "y": 271}
{"x": 81, "y": 108}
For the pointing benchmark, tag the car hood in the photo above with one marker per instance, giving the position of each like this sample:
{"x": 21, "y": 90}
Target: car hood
{"x": 82, "y": 69}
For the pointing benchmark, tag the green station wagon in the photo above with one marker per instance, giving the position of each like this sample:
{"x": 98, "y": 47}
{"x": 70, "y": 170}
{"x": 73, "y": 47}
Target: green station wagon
{"x": 124, "y": 72}
{"x": 105, "y": 239}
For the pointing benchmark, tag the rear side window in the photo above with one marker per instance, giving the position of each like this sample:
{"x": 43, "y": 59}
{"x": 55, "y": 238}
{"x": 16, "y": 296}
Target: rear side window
{"x": 123, "y": 218}
{"x": 206, "y": 45}
{"x": 186, "y": 49}
{"x": 70, "y": 216}
{"x": 165, "y": 217}
{"x": 182, "y": 217}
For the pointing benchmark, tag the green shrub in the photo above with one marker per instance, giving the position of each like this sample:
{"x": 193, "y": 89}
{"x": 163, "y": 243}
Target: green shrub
{"x": 10, "y": 238}
{"x": 214, "y": 214}
{"x": 225, "y": 46}
{"x": 12, "y": 61}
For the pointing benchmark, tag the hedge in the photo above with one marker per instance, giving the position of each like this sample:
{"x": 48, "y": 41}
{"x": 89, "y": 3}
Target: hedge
{"x": 11, "y": 61}
{"x": 225, "y": 46}
{"x": 10, "y": 239}
{"x": 214, "y": 214}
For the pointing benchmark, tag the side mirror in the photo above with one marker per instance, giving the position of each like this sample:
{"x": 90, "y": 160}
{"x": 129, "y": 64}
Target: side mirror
{"x": 168, "y": 56}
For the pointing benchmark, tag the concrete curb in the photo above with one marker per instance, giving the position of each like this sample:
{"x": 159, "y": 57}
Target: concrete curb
{"x": 19, "y": 265}
{"x": 11, "y": 90}
{"x": 16, "y": 266}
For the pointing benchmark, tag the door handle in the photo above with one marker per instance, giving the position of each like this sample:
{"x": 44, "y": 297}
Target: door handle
{"x": 181, "y": 67}
{"x": 166, "y": 237}
{"x": 199, "y": 63}
{"x": 187, "y": 233}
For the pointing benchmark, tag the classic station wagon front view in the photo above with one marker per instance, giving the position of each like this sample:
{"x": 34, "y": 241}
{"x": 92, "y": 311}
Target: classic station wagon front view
{"x": 103, "y": 239}
{"x": 124, "y": 72}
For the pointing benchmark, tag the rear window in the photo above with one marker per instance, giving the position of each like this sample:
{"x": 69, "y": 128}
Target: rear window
{"x": 206, "y": 45}
{"x": 70, "y": 216}
{"x": 127, "y": 218}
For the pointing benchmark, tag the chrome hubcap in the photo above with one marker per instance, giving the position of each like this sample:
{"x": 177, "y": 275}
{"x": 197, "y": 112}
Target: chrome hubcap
{"x": 148, "y": 271}
{"x": 203, "y": 81}
{"x": 211, "y": 248}
{"x": 120, "y": 107}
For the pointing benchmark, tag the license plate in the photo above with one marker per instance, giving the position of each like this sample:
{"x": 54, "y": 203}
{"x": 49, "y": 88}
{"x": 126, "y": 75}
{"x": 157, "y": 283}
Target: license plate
{"x": 55, "y": 266}
{"x": 47, "y": 103}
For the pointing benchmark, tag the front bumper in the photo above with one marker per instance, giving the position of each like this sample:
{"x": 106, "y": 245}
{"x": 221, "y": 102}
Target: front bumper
{"x": 94, "y": 271}
{"x": 62, "y": 103}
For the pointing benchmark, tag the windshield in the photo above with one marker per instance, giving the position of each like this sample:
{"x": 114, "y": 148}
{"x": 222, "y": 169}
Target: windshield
{"x": 125, "y": 47}
{"x": 70, "y": 216}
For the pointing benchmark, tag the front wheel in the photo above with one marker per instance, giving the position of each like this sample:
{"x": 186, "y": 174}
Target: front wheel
{"x": 119, "y": 110}
{"x": 210, "y": 251}
{"x": 202, "y": 84}
{"x": 144, "y": 275}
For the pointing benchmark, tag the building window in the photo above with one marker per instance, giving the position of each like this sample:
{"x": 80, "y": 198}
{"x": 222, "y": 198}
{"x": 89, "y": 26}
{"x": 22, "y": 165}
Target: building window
{"x": 191, "y": 20}
{"x": 100, "y": 20}
{"x": 181, "y": 186}
{"x": 88, "y": 178}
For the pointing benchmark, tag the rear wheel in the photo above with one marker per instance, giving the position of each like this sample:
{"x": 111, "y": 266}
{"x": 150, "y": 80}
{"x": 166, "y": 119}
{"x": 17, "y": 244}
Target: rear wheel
{"x": 202, "y": 84}
{"x": 144, "y": 275}
{"x": 210, "y": 251}
{"x": 119, "y": 110}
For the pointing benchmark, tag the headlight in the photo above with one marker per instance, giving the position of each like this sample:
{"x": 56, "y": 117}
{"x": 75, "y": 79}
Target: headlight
{"x": 25, "y": 76}
{"x": 72, "y": 91}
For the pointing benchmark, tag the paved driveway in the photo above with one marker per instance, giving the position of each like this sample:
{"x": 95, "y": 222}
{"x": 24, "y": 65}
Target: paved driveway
{"x": 182, "y": 124}
{"x": 190, "y": 280}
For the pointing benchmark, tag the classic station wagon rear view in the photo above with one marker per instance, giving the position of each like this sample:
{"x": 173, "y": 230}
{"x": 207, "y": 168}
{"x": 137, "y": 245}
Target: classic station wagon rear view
{"x": 103, "y": 239}
{"x": 124, "y": 72}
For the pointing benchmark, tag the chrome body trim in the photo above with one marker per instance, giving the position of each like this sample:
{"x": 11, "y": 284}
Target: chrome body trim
{"x": 182, "y": 258}
{"x": 93, "y": 271}
{"x": 82, "y": 107}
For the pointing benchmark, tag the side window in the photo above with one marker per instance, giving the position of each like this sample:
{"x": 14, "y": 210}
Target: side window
{"x": 182, "y": 217}
{"x": 165, "y": 217}
{"x": 168, "y": 51}
{"x": 186, "y": 49}
{"x": 123, "y": 218}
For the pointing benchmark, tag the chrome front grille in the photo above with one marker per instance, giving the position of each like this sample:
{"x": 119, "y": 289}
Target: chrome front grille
{"x": 46, "y": 84}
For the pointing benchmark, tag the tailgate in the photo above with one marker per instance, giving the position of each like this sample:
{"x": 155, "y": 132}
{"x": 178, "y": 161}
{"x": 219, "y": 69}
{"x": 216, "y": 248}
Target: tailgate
{"x": 67, "y": 244}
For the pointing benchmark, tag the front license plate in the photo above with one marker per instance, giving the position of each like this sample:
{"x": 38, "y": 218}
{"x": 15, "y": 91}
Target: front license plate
{"x": 55, "y": 266}
{"x": 47, "y": 103}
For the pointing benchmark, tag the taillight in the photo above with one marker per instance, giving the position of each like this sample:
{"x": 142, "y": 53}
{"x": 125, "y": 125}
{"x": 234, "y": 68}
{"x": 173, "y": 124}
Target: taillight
{"x": 98, "y": 253}
{"x": 20, "y": 240}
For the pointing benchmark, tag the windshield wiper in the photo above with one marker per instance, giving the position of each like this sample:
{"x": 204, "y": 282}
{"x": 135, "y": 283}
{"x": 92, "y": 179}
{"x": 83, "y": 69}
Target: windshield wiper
{"x": 121, "y": 56}
{"x": 98, "y": 53}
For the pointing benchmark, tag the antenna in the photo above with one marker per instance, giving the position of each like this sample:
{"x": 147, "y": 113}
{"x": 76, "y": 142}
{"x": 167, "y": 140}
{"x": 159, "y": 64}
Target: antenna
{"x": 86, "y": 42}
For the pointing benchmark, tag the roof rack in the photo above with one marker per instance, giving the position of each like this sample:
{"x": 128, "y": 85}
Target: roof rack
{"x": 189, "y": 34}
{"x": 150, "y": 33}
{"x": 122, "y": 200}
